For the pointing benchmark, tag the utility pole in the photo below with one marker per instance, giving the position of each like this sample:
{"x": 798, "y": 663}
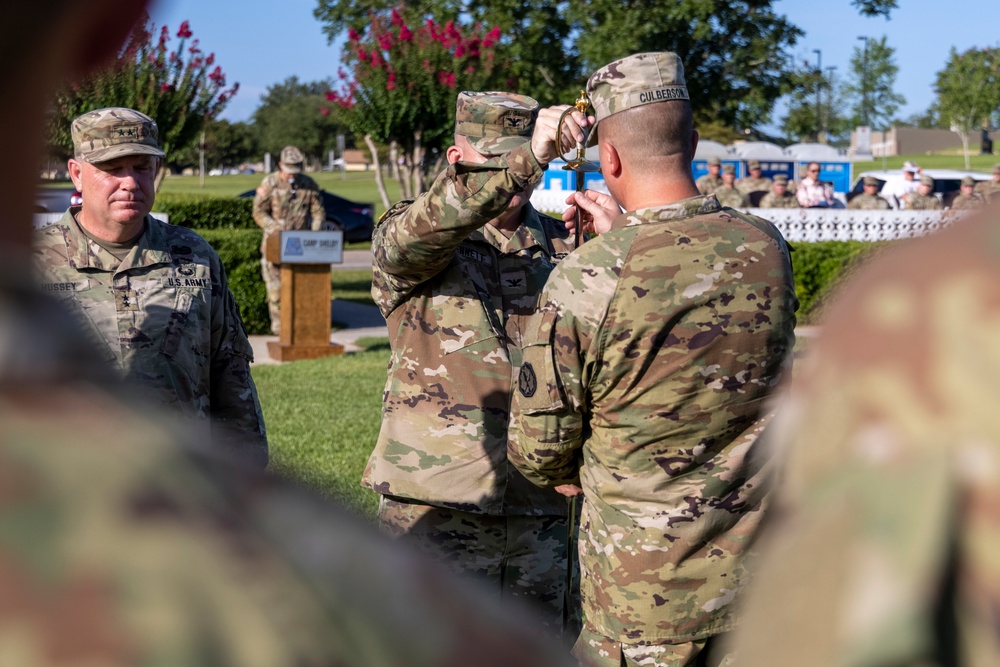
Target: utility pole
{"x": 819, "y": 93}
{"x": 864, "y": 84}
{"x": 829, "y": 98}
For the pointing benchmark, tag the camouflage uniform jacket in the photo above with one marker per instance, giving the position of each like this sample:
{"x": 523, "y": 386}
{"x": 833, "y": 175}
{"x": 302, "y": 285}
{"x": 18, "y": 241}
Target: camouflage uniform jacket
{"x": 277, "y": 208}
{"x": 646, "y": 372}
{"x": 731, "y": 197}
{"x": 918, "y": 202}
{"x": 963, "y": 203}
{"x": 988, "y": 189}
{"x": 865, "y": 202}
{"x": 750, "y": 184}
{"x": 166, "y": 318}
{"x": 456, "y": 296}
{"x": 771, "y": 200}
{"x": 886, "y": 553}
{"x": 708, "y": 184}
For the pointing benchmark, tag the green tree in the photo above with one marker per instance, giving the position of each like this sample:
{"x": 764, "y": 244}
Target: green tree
{"x": 294, "y": 113}
{"x": 402, "y": 84}
{"x": 227, "y": 145}
{"x": 804, "y": 121}
{"x": 968, "y": 92}
{"x": 874, "y": 70}
{"x": 875, "y": 7}
{"x": 178, "y": 86}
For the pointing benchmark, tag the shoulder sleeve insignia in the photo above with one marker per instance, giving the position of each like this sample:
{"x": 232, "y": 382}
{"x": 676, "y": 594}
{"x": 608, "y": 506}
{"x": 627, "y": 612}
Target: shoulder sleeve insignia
{"x": 395, "y": 209}
{"x": 527, "y": 383}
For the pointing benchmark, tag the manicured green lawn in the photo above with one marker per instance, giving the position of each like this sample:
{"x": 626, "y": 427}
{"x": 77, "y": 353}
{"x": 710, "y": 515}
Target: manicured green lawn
{"x": 352, "y": 285}
{"x": 322, "y": 420}
{"x": 983, "y": 163}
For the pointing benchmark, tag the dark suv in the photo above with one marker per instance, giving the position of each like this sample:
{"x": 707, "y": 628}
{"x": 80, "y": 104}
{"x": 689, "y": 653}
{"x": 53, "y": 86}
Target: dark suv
{"x": 355, "y": 219}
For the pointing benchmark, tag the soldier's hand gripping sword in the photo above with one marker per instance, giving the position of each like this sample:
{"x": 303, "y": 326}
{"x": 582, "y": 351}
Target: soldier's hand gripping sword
{"x": 579, "y": 164}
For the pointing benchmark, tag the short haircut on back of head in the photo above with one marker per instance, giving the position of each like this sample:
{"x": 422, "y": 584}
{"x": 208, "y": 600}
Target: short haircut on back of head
{"x": 661, "y": 130}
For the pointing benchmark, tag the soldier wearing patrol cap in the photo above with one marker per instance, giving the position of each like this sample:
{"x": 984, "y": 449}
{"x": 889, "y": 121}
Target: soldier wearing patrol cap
{"x": 967, "y": 199}
{"x": 923, "y": 198}
{"x": 152, "y": 298}
{"x": 869, "y": 200}
{"x": 991, "y": 188}
{"x": 710, "y": 182}
{"x": 779, "y": 196}
{"x": 727, "y": 193}
{"x": 645, "y": 378}
{"x": 457, "y": 273}
{"x": 756, "y": 181}
{"x": 286, "y": 199}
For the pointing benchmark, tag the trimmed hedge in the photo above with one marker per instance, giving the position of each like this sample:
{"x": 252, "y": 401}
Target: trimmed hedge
{"x": 239, "y": 250}
{"x": 201, "y": 212}
{"x": 823, "y": 267}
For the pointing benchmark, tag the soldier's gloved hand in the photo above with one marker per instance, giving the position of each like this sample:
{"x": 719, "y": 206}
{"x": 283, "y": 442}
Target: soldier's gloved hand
{"x": 543, "y": 139}
{"x": 597, "y": 211}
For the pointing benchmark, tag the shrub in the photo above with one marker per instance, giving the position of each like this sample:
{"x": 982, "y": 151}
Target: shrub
{"x": 201, "y": 213}
{"x": 239, "y": 250}
{"x": 821, "y": 268}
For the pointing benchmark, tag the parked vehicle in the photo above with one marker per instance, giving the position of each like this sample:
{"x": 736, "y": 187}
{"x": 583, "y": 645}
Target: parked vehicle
{"x": 947, "y": 182}
{"x": 56, "y": 200}
{"x": 357, "y": 220}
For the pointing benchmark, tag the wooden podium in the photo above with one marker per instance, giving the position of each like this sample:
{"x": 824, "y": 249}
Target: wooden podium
{"x": 305, "y": 258}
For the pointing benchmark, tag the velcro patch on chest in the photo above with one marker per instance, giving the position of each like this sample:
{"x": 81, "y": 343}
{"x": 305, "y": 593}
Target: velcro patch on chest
{"x": 527, "y": 382}
{"x": 65, "y": 287}
{"x": 474, "y": 255}
{"x": 514, "y": 282}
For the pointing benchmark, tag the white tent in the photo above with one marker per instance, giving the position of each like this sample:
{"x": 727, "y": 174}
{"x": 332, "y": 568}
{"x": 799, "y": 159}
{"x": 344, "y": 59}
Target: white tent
{"x": 813, "y": 152}
{"x": 760, "y": 150}
{"x": 708, "y": 148}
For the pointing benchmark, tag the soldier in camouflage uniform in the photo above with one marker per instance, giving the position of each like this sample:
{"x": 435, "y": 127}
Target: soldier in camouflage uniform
{"x": 727, "y": 194}
{"x": 710, "y": 182}
{"x": 457, "y": 274}
{"x": 645, "y": 379}
{"x": 869, "y": 199}
{"x": 991, "y": 188}
{"x": 779, "y": 196}
{"x": 923, "y": 198}
{"x": 286, "y": 199}
{"x": 968, "y": 199}
{"x": 756, "y": 181}
{"x": 152, "y": 298}
{"x": 120, "y": 548}
{"x": 890, "y": 496}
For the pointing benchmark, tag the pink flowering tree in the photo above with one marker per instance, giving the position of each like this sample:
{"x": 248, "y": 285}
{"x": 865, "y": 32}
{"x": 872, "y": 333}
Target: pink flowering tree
{"x": 165, "y": 75}
{"x": 402, "y": 76}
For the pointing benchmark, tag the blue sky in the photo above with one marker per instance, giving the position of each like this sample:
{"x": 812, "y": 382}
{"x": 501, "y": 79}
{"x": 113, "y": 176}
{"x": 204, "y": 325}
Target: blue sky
{"x": 260, "y": 43}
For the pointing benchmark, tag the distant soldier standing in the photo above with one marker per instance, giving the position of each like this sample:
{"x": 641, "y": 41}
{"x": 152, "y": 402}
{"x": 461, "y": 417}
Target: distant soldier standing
{"x": 779, "y": 196}
{"x": 869, "y": 200}
{"x": 991, "y": 188}
{"x": 727, "y": 194}
{"x": 152, "y": 297}
{"x": 645, "y": 380}
{"x": 755, "y": 182}
{"x": 286, "y": 199}
{"x": 457, "y": 274}
{"x": 923, "y": 199}
{"x": 710, "y": 182}
{"x": 968, "y": 199}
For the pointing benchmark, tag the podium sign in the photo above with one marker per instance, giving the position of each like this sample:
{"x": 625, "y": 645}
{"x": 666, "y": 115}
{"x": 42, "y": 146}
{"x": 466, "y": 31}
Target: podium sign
{"x": 306, "y": 247}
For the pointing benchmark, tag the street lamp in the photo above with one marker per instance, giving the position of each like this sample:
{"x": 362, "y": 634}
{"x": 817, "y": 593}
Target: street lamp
{"x": 829, "y": 103}
{"x": 819, "y": 91}
{"x": 864, "y": 84}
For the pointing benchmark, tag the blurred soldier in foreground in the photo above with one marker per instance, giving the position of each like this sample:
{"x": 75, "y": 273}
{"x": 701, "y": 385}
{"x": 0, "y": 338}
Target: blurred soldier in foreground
{"x": 869, "y": 199}
{"x": 286, "y": 199}
{"x": 710, "y": 182}
{"x": 119, "y": 548}
{"x": 645, "y": 378}
{"x": 967, "y": 199}
{"x": 152, "y": 298}
{"x": 457, "y": 274}
{"x": 991, "y": 188}
{"x": 756, "y": 181}
{"x": 887, "y": 550}
{"x": 923, "y": 198}
{"x": 727, "y": 194}
{"x": 779, "y": 196}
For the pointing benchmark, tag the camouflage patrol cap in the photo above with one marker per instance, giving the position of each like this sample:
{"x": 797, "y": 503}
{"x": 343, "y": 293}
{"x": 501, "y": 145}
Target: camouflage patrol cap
{"x": 291, "y": 160}
{"x": 714, "y": 161}
{"x": 781, "y": 179}
{"x": 969, "y": 180}
{"x": 636, "y": 80}
{"x": 871, "y": 180}
{"x": 927, "y": 180}
{"x": 107, "y": 134}
{"x": 728, "y": 169}
{"x": 495, "y": 123}
{"x": 753, "y": 164}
